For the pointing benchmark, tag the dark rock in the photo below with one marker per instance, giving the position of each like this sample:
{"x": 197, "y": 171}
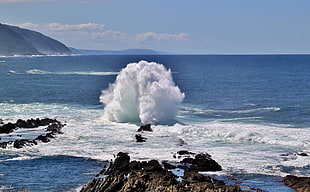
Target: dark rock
{"x": 24, "y": 142}
{"x": 54, "y": 127}
{"x": 139, "y": 138}
{"x": 187, "y": 160}
{"x": 43, "y": 138}
{"x": 135, "y": 176}
{"x": 184, "y": 152}
{"x": 153, "y": 166}
{"x": 5, "y": 144}
{"x": 146, "y": 127}
{"x": 121, "y": 163}
{"x": 203, "y": 162}
{"x": 300, "y": 184}
{"x": 303, "y": 154}
{"x": 168, "y": 165}
{"x": 7, "y": 128}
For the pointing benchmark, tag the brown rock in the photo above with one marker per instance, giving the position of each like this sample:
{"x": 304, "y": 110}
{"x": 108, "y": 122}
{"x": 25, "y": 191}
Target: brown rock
{"x": 126, "y": 176}
{"x": 300, "y": 184}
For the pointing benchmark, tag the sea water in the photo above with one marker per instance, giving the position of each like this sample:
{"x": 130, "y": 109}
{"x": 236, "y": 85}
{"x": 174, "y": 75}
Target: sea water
{"x": 251, "y": 113}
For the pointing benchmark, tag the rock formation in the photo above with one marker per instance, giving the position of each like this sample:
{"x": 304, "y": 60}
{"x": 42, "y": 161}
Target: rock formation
{"x": 53, "y": 127}
{"x": 150, "y": 176}
{"x": 300, "y": 184}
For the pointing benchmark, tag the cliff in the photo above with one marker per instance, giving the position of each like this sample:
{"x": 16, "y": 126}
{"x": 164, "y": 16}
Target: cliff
{"x": 18, "y": 41}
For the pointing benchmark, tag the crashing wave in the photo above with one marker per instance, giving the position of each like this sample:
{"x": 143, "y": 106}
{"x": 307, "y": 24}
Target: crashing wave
{"x": 143, "y": 92}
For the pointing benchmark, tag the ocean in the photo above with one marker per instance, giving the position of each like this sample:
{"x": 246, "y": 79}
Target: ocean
{"x": 251, "y": 113}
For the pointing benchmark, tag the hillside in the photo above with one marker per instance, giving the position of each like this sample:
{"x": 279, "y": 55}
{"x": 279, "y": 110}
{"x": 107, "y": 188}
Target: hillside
{"x": 19, "y": 41}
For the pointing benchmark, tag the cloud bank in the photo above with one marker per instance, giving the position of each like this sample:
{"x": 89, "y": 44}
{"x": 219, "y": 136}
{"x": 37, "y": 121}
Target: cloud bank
{"x": 151, "y": 37}
{"x": 93, "y": 35}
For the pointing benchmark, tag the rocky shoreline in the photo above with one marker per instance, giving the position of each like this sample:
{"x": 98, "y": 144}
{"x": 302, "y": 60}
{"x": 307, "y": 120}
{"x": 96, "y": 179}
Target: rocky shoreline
{"x": 124, "y": 175}
{"x": 52, "y": 128}
{"x": 183, "y": 175}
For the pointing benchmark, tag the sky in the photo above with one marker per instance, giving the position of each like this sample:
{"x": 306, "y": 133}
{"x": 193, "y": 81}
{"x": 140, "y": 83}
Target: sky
{"x": 173, "y": 26}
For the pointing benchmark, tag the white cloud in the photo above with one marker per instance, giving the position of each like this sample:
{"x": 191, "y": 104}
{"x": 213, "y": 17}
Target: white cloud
{"x": 29, "y": 25}
{"x": 63, "y": 27}
{"x": 109, "y": 35}
{"x": 66, "y": 27}
{"x": 97, "y": 36}
{"x": 161, "y": 37}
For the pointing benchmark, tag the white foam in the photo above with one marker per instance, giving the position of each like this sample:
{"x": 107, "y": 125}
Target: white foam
{"x": 42, "y": 72}
{"x": 143, "y": 92}
{"x": 254, "y": 148}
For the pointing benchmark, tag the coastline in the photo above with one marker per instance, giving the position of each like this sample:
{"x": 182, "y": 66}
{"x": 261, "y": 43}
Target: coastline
{"x": 187, "y": 173}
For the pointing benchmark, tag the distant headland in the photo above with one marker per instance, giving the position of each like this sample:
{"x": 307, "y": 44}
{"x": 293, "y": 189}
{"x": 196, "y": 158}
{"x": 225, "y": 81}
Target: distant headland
{"x": 18, "y": 41}
{"x": 22, "y": 42}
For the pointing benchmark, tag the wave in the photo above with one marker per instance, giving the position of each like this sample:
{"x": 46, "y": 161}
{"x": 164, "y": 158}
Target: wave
{"x": 12, "y": 72}
{"x": 196, "y": 111}
{"x": 143, "y": 92}
{"x": 244, "y": 111}
{"x": 42, "y": 72}
{"x": 229, "y": 143}
{"x": 272, "y": 134}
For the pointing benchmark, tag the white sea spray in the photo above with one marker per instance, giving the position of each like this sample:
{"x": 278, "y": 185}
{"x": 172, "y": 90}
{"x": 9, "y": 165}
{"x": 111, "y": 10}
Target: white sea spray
{"x": 143, "y": 92}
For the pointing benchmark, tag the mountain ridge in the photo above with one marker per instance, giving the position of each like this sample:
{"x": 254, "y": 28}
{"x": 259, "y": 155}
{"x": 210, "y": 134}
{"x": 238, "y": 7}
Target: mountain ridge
{"x": 116, "y": 52}
{"x": 19, "y": 41}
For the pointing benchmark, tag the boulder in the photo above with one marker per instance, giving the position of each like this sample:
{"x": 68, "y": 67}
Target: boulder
{"x": 199, "y": 162}
{"x": 146, "y": 127}
{"x": 7, "y": 128}
{"x": 300, "y": 184}
{"x": 139, "y": 138}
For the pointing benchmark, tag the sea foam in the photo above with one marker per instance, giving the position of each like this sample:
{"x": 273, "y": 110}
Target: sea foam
{"x": 143, "y": 92}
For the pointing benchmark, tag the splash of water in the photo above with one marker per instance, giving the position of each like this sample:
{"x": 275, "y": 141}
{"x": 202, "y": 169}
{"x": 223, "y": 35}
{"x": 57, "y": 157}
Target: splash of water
{"x": 143, "y": 92}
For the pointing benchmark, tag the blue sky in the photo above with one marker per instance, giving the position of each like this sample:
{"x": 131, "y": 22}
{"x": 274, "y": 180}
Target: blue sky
{"x": 175, "y": 26}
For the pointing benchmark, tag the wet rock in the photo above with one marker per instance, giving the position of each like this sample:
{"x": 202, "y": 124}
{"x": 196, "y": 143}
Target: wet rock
{"x": 43, "y": 138}
{"x": 7, "y": 128}
{"x": 139, "y": 138}
{"x": 53, "y": 127}
{"x": 23, "y": 142}
{"x": 120, "y": 164}
{"x": 146, "y": 127}
{"x": 300, "y": 184}
{"x": 303, "y": 154}
{"x": 199, "y": 162}
{"x": 203, "y": 162}
{"x": 149, "y": 176}
{"x": 5, "y": 144}
{"x": 168, "y": 165}
{"x": 184, "y": 152}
